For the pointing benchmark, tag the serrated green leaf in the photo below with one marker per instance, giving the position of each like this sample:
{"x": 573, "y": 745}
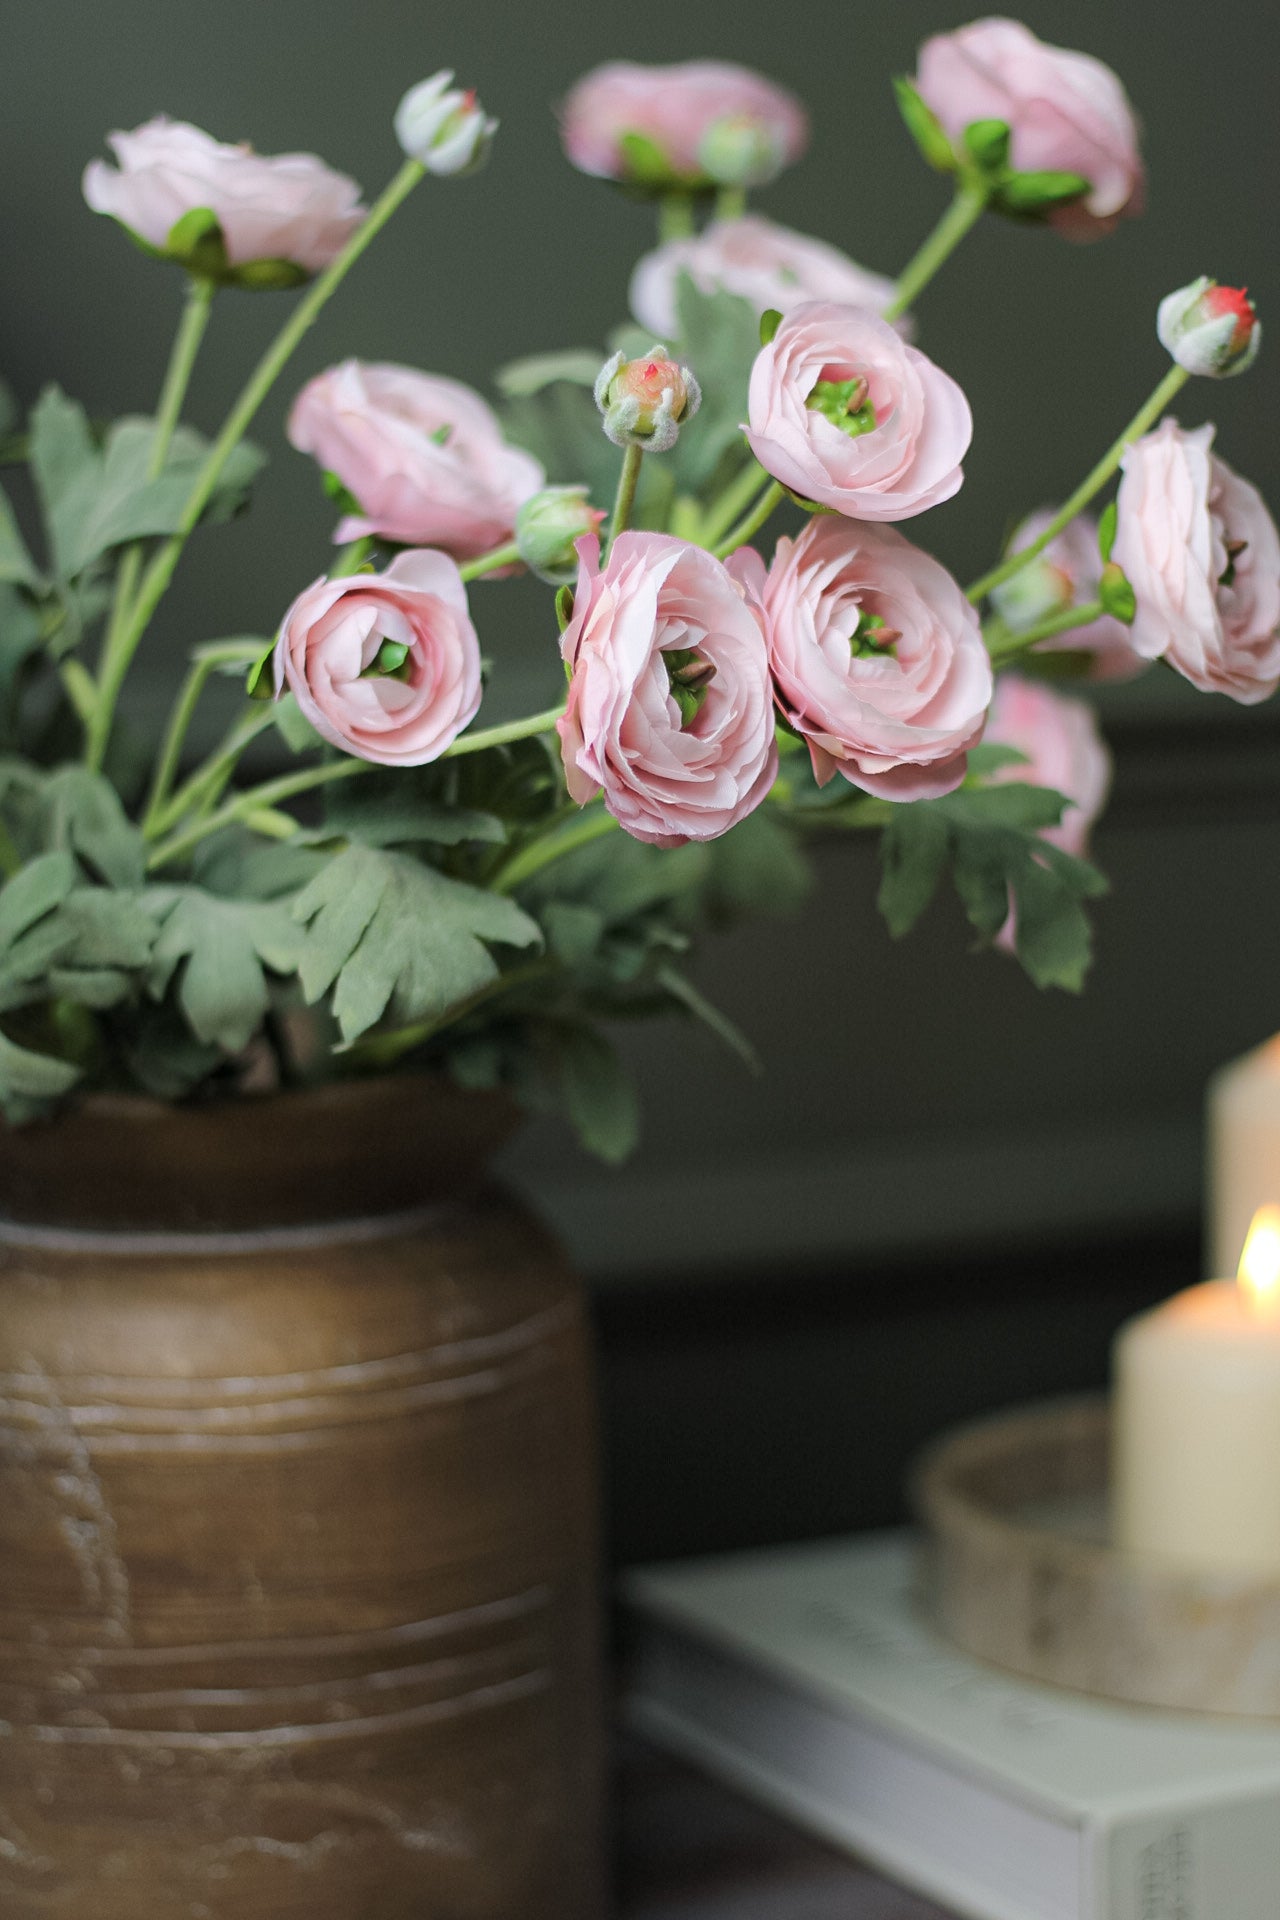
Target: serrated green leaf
{"x": 222, "y": 947}
{"x": 387, "y": 813}
{"x": 35, "y": 890}
{"x": 84, "y": 813}
{"x": 126, "y": 505}
{"x": 913, "y": 853}
{"x": 392, "y": 936}
{"x": 30, "y": 1080}
{"x": 1051, "y": 929}
{"x": 577, "y": 365}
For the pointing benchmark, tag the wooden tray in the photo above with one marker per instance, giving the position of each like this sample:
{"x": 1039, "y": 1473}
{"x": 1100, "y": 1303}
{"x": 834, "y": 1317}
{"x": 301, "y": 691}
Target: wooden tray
{"x": 1023, "y": 1574}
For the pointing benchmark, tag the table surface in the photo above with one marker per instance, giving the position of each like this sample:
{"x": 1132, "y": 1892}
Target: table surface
{"x": 692, "y": 1850}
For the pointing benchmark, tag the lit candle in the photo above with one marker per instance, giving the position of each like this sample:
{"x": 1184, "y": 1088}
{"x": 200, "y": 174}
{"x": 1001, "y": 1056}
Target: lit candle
{"x": 1244, "y": 1150}
{"x": 1196, "y": 1450}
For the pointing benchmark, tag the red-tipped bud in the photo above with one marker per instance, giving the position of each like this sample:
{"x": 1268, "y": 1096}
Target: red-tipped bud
{"x": 1210, "y": 329}
{"x": 643, "y": 401}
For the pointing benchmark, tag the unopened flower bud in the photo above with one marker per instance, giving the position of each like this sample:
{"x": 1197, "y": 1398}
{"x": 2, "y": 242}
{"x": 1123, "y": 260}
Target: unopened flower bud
{"x": 643, "y": 401}
{"x": 1210, "y": 329}
{"x": 444, "y": 128}
{"x": 547, "y": 526}
{"x": 1035, "y": 593}
{"x": 740, "y": 151}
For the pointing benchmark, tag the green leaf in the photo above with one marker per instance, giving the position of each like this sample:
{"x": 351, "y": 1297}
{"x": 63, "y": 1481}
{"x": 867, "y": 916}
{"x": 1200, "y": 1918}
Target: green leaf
{"x": 924, "y": 127}
{"x": 1032, "y": 194}
{"x": 574, "y": 930}
{"x": 598, "y": 1097}
{"x": 1107, "y": 523}
{"x": 85, "y": 814}
{"x": 1051, "y": 930}
{"x": 225, "y": 945}
{"x": 758, "y": 868}
{"x": 644, "y": 162}
{"x": 1116, "y": 593}
{"x": 291, "y": 722}
{"x": 989, "y": 756}
{"x": 34, "y": 891}
{"x": 686, "y": 995}
{"x": 16, "y": 564}
{"x": 386, "y": 813}
{"x": 913, "y": 854}
{"x": 770, "y": 321}
{"x": 392, "y": 936}
{"x": 28, "y": 1081}
{"x": 720, "y": 338}
{"x": 66, "y": 467}
{"x": 577, "y": 365}
{"x": 987, "y": 144}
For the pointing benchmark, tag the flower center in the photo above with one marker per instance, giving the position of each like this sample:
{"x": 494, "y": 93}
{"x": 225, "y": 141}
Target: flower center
{"x": 1227, "y": 578}
{"x": 390, "y": 662}
{"x": 845, "y": 403}
{"x": 873, "y": 637}
{"x": 688, "y": 675}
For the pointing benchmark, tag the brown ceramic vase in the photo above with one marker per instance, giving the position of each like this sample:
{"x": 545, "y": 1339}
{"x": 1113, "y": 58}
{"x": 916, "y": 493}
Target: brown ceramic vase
{"x": 298, "y": 1611}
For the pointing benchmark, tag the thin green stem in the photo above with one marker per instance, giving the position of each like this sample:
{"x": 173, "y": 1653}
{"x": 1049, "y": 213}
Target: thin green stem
{"x": 675, "y": 217}
{"x": 159, "y": 573}
{"x": 177, "y": 378}
{"x": 507, "y": 556}
{"x": 251, "y": 801}
{"x": 1146, "y": 416}
{"x": 1005, "y": 645}
{"x": 203, "y": 787}
{"x": 206, "y": 662}
{"x": 540, "y": 853}
{"x": 731, "y": 203}
{"x": 352, "y": 558}
{"x": 752, "y": 522}
{"x": 964, "y": 212}
{"x": 384, "y": 1049}
{"x": 504, "y": 735}
{"x": 736, "y": 498}
{"x": 625, "y": 497}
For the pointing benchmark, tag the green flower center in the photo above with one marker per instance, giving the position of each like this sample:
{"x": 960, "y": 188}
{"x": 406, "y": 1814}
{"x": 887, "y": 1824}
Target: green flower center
{"x": 390, "y": 662}
{"x": 873, "y": 637}
{"x": 688, "y": 676}
{"x": 846, "y": 404}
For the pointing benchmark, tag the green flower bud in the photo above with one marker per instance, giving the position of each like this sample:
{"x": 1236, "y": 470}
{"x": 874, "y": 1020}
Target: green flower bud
{"x": 547, "y": 526}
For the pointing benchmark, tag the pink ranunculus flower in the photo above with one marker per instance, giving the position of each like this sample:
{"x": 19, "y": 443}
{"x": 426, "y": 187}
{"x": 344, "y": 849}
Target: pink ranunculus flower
{"x": 281, "y": 207}
{"x": 1066, "y": 574}
{"x": 1064, "y": 751}
{"x": 844, "y": 413}
{"x": 385, "y": 666}
{"x": 708, "y": 121}
{"x": 670, "y": 710}
{"x": 1202, "y": 555}
{"x": 761, "y": 262}
{"x": 1066, "y": 113}
{"x": 423, "y": 456}
{"x": 877, "y": 657}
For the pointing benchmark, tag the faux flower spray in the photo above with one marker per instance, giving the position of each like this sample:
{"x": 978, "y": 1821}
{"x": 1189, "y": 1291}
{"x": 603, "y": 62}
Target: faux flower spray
{"x": 726, "y": 503}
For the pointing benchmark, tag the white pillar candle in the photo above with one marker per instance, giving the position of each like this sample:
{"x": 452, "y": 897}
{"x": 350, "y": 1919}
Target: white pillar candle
{"x": 1196, "y": 1448}
{"x": 1244, "y": 1150}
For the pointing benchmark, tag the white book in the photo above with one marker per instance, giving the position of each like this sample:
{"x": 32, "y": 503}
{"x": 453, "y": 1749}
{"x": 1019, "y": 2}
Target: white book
{"x": 811, "y": 1678}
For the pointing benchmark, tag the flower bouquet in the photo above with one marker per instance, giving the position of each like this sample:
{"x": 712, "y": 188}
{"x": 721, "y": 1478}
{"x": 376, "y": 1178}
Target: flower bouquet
{"x": 410, "y": 885}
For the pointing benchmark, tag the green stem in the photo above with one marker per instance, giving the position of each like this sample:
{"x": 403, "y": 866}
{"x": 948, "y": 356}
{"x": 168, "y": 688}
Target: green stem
{"x": 731, "y": 203}
{"x": 1169, "y": 387}
{"x": 287, "y": 787}
{"x": 964, "y": 212}
{"x": 625, "y": 497}
{"x": 538, "y": 854}
{"x": 735, "y": 500}
{"x": 177, "y": 378}
{"x": 206, "y": 783}
{"x": 352, "y": 558}
{"x": 384, "y": 1049}
{"x": 675, "y": 217}
{"x": 504, "y": 735}
{"x": 206, "y": 662}
{"x": 507, "y": 556}
{"x": 1005, "y": 646}
{"x": 160, "y": 572}
{"x": 751, "y": 523}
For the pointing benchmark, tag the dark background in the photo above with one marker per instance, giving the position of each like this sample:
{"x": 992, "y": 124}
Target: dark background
{"x": 946, "y": 1188}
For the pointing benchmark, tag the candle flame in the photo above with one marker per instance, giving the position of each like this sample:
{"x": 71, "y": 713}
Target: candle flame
{"x": 1260, "y": 1262}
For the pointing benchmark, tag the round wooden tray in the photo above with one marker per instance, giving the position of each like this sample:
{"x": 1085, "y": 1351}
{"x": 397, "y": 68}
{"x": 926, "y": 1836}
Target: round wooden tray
{"x": 1024, "y": 1575}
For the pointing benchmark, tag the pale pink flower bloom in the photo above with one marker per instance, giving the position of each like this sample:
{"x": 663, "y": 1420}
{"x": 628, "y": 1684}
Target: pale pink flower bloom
{"x": 286, "y": 206}
{"x": 896, "y": 716}
{"x": 1202, "y": 554}
{"x": 1064, "y": 751}
{"x": 667, "y": 776}
{"x": 685, "y": 111}
{"x": 422, "y": 455}
{"x": 1066, "y": 574}
{"x": 906, "y": 460}
{"x": 761, "y": 262}
{"x": 333, "y": 634}
{"x": 1066, "y": 112}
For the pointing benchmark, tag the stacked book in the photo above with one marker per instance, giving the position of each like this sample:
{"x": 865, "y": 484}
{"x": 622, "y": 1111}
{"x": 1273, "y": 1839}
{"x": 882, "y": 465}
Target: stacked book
{"x": 811, "y": 1678}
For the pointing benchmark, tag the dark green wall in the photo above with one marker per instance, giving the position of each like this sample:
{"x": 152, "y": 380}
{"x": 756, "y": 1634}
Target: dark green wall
{"x": 877, "y": 1058}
